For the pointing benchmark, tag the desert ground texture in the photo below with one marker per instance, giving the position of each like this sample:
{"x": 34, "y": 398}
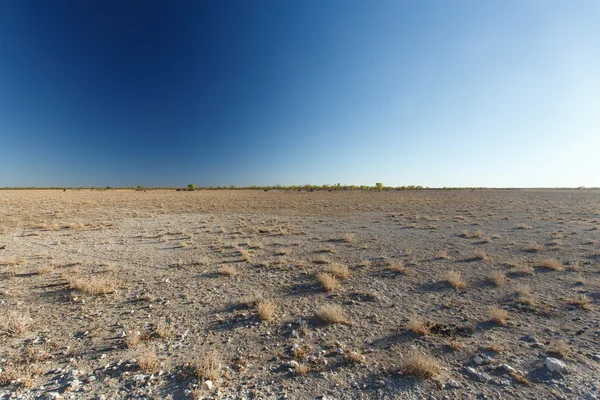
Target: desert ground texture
{"x": 241, "y": 294}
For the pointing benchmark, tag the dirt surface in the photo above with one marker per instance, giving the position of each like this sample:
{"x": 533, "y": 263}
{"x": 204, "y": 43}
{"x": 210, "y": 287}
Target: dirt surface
{"x": 216, "y": 294}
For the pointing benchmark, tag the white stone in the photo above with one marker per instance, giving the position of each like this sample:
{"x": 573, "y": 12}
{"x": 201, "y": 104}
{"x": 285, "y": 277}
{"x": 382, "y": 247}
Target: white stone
{"x": 209, "y": 384}
{"x": 507, "y": 368}
{"x": 555, "y": 365}
{"x": 453, "y": 383}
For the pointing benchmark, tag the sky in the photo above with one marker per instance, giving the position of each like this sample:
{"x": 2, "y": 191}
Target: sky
{"x": 495, "y": 93}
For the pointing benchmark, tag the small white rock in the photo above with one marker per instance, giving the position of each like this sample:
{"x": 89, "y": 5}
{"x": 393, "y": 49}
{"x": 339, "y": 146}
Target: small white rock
{"x": 555, "y": 365}
{"x": 209, "y": 384}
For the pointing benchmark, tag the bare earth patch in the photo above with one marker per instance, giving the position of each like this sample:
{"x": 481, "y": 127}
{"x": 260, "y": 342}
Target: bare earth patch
{"x": 347, "y": 295}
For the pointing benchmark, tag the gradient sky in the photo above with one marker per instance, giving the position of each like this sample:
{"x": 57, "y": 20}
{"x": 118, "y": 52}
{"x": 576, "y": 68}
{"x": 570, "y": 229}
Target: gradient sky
{"x": 433, "y": 93}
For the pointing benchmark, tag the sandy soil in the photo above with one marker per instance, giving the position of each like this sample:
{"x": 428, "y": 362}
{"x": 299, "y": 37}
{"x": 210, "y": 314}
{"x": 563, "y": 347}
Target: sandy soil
{"x": 217, "y": 294}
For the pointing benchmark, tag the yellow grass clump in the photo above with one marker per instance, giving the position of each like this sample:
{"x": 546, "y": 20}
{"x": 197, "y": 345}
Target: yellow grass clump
{"x": 333, "y": 314}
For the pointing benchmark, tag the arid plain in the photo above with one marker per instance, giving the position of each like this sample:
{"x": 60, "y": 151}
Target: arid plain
{"x": 109, "y": 294}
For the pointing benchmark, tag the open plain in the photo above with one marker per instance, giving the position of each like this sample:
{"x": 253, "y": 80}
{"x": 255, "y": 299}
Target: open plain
{"x": 109, "y": 294}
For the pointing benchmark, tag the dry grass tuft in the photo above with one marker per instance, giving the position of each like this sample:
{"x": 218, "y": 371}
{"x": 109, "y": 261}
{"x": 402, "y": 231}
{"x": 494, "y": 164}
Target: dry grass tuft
{"x": 14, "y": 323}
{"x": 418, "y": 325}
{"x": 480, "y": 254}
{"x": 245, "y": 255}
{"x": 442, "y": 255}
{"x": 133, "y": 339}
{"x": 301, "y": 369}
{"x": 495, "y": 346}
{"x": 266, "y": 310}
{"x": 559, "y": 348}
{"x": 454, "y": 278}
{"x": 349, "y": 238}
{"x": 524, "y": 295}
{"x": 328, "y": 282}
{"x": 421, "y": 365}
{"x": 227, "y": 270}
{"x": 552, "y": 264}
{"x": 397, "y": 266}
{"x": 333, "y": 314}
{"x": 355, "y": 357}
{"x": 338, "y": 270}
{"x": 498, "y": 315}
{"x": 94, "y": 285}
{"x": 147, "y": 360}
{"x": 497, "y": 278}
{"x": 208, "y": 366}
{"x": 164, "y": 331}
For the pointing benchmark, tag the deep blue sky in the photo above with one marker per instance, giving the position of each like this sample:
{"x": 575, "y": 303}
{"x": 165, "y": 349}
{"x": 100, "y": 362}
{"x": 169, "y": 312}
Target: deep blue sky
{"x": 433, "y": 93}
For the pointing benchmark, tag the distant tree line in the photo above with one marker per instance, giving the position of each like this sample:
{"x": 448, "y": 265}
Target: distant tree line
{"x": 326, "y": 187}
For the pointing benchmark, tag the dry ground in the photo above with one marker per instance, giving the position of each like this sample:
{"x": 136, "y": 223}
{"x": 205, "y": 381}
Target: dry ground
{"x": 343, "y": 295}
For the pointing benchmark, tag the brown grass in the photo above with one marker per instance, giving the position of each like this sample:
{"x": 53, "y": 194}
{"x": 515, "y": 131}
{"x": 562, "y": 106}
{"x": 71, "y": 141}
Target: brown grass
{"x": 14, "y": 323}
{"x": 421, "y": 364}
{"x": 355, "y": 357}
{"x": 552, "y": 264}
{"x": 442, "y": 255}
{"x": 497, "y": 278}
{"x": 338, "y": 270}
{"x": 455, "y": 344}
{"x": 454, "y": 278}
{"x": 559, "y": 348}
{"x": 266, "y": 310}
{"x": 208, "y": 366}
{"x": 164, "y": 330}
{"x": 418, "y": 325}
{"x": 524, "y": 295}
{"x": 301, "y": 369}
{"x": 227, "y": 270}
{"x": 147, "y": 360}
{"x": 349, "y": 238}
{"x": 495, "y": 346}
{"x": 396, "y": 266}
{"x": 333, "y": 314}
{"x": 480, "y": 254}
{"x": 498, "y": 315}
{"x": 94, "y": 285}
{"x": 245, "y": 255}
{"x": 328, "y": 282}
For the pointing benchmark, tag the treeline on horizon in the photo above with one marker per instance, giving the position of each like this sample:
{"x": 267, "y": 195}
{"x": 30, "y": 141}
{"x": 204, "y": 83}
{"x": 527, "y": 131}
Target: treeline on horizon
{"x": 337, "y": 187}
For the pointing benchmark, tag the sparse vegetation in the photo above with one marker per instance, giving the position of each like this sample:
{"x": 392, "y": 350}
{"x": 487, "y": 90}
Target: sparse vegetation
{"x": 328, "y": 282}
{"x": 454, "y": 278}
{"x": 332, "y": 314}
{"x": 338, "y": 270}
{"x": 227, "y": 270}
{"x": 499, "y": 315}
{"x": 497, "y": 278}
{"x": 418, "y": 325}
{"x": 396, "y": 266}
{"x": 208, "y": 365}
{"x": 148, "y": 360}
{"x": 552, "y": 264}
{"x": 480, "y": 254}
{"x": 421, "y": 364}
{"x": 266, "y": 310}
{"x": 14, "y": 323}
{"x": 94, "y": 285}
